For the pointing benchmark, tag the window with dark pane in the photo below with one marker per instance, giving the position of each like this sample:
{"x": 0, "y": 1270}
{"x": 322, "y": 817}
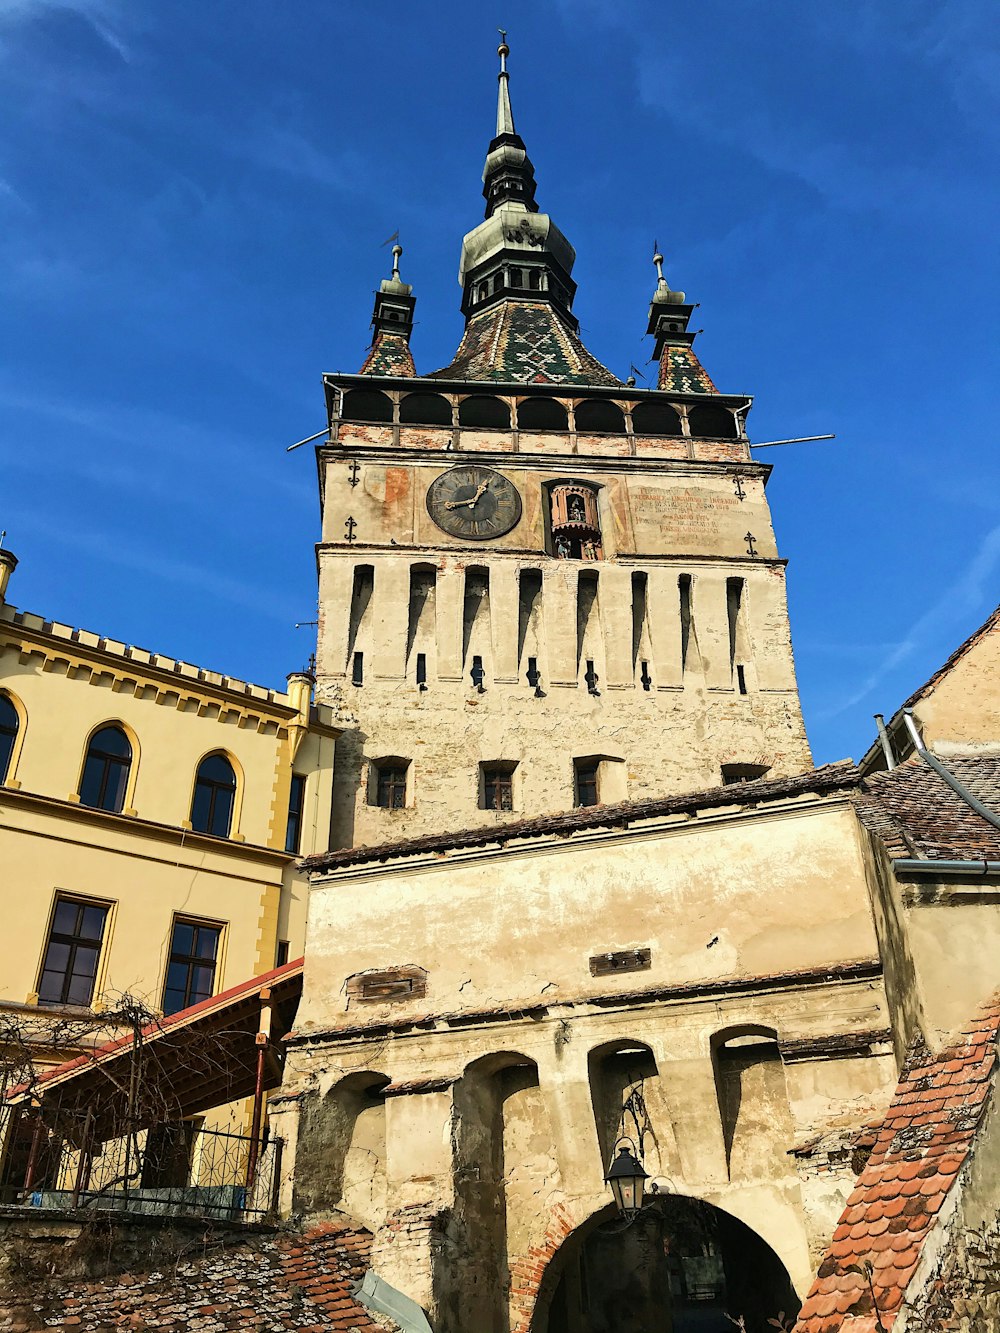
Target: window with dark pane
{"x": 69, "y": 968}
{"x": 105, "y": 770}
{"x": 194, "y": 951}
{"x": 214, "y": 796}
{"x": 296, "y": 805}
{"x": 281, "y": 954}
{"x": 498, "y": 786}
{"x": 9, "y": 723}
{"x": 391, "y": 791}
{"x": 587, "y": 771}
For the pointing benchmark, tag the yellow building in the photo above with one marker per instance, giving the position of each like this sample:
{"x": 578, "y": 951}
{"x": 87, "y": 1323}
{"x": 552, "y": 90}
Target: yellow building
{"x": 151, "y": 814}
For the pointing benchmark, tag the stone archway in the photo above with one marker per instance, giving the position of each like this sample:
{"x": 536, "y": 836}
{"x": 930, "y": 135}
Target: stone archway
{"x": 682, "y": 1266}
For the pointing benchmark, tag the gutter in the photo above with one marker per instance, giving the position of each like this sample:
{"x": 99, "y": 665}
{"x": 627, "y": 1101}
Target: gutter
{"x": 946, "y": 775}
{"x": 930, "y": 869}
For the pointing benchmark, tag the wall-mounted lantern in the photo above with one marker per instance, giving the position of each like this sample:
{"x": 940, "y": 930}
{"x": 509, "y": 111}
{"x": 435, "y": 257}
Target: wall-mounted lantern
{"x": 627, "y": 1178}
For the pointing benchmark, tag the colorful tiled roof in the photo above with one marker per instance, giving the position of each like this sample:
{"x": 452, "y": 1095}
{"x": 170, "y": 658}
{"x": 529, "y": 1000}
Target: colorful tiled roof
{"x": 918, "y": 1150}
{"x": 389, "y": 355}
{"x": 265, "y": 1283}
{"x": 682, "y": 372}
{"x": 523, "y": 341}
{"x": 916, "y": 814}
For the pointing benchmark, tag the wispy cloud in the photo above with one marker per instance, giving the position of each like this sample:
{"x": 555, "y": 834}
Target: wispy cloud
{"x": 168, "y": 442}
{"x": 103, "y": 16}
{"x": 167, "y": 569}
{"x": 940, "y": 621}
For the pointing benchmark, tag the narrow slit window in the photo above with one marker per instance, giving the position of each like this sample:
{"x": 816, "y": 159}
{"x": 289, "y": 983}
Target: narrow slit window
{"x": 358, "y": 669}
{"x": 684, "y": 590}
{"x": 296, "y": 806}
{"x": 741, "y": 678}
{"x": 422, "y": 670}
{"x": 281, "y": 954}
{"x": 591, "y": 677}
{"x": 533, "y": 674}
{"x": 645, "y": 679}
{"x": 478, "y": 674}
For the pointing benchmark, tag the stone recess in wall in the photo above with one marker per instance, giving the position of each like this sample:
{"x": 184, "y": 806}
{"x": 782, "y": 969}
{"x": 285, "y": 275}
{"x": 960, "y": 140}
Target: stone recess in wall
{"x": 624, "y": 960}
{"x": 387, "y": 985}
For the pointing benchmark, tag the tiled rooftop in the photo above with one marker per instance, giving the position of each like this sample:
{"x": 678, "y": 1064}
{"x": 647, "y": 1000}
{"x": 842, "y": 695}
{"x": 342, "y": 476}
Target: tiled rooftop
{"x": 389, "y": 355}
{"x": 266, "y": 1283}
{"x": 916, "y": 813}
{"x": 523, "y": 341}
{"x": 682, "y": 372}
{"x": 831, "y": 777}
{"x": 917, "y": 1152}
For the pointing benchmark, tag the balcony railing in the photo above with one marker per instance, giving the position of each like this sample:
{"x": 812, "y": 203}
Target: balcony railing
{"x": 173, "y": 1169}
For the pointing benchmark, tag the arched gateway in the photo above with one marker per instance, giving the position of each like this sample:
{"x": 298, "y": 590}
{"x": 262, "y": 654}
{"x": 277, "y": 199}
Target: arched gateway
{"x": 681, "y": 1266}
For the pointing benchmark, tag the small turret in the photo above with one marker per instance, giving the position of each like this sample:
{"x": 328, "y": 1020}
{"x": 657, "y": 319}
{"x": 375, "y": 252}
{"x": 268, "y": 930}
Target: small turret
{"x": 392, "y": 320}
{"x": 669, "y": 316}
{"x": 8, "y": 563}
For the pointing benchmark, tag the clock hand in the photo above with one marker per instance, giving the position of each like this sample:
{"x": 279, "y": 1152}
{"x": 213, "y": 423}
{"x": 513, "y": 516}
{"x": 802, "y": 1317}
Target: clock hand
{"x": 468, "y": 504}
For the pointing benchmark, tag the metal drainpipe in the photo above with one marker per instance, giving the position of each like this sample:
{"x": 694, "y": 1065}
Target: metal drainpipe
{"x": 945, "y": 775}
{"x": 886, "y": 744}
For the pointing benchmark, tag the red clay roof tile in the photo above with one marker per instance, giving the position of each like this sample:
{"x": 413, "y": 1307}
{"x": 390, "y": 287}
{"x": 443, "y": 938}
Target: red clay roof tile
{"x": 918, "y": 1151}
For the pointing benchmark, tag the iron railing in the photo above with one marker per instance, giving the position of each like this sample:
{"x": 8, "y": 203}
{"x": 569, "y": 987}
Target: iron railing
{"x": 177, "y": 1168}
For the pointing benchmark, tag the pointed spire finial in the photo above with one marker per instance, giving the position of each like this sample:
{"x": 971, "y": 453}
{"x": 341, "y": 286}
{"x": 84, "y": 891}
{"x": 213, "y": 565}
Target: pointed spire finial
{"x": 505, "y": 117}
{"x": 658, "y": 261}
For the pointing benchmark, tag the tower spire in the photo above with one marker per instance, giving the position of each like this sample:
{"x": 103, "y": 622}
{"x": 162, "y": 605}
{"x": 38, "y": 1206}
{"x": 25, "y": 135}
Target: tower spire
{"x": 392, "y": 321}
{"x": 505, "y": 117}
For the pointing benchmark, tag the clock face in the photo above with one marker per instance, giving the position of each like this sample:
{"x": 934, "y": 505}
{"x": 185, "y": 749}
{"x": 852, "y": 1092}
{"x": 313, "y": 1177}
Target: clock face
{"x": 473, "y": 502}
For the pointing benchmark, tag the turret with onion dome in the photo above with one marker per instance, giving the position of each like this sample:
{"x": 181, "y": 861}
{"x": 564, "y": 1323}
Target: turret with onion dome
{"x": 516, "y": 277}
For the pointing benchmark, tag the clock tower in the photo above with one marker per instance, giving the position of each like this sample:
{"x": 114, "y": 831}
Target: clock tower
{"x": 541, "y": 586}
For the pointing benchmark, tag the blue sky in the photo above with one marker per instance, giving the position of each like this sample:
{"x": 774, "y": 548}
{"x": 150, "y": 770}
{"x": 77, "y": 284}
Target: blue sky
{"x": 192, "y": 201}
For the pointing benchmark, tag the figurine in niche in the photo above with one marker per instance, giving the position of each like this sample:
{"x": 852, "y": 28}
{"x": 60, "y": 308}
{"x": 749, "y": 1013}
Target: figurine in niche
{"x": 589, "y": 550}
{"x": 563, "y": 548}
{"x": 575, "y": 510}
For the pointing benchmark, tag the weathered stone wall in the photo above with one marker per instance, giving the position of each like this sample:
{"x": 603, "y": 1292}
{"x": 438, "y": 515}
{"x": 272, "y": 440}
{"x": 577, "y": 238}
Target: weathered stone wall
{"x": 758, "y": 1027}
{"x": 688, "y": 632}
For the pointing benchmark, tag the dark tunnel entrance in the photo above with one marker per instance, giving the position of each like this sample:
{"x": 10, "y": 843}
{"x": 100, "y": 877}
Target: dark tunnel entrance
{"x": 682, "y": 1266}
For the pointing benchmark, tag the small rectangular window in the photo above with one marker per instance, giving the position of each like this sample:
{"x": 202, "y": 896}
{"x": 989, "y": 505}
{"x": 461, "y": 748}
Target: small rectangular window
{"x": 741, "y": 678}
{"x": 358, "y": 669}
{"x": 391, "y": 786}
{"x": 296, "y": 806}
{"x": 587, "y": 771}
{"x": 422, "y": 670}
{"x": 498, "y": 786}
{"x": 281, "y": 954}
{"x": 194, "y": 953}
{"x": 69, "y": 970}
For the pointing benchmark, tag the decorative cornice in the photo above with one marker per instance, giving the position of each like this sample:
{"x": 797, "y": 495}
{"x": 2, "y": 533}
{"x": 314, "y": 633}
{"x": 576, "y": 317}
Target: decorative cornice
{"x": 134, "y": 825}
